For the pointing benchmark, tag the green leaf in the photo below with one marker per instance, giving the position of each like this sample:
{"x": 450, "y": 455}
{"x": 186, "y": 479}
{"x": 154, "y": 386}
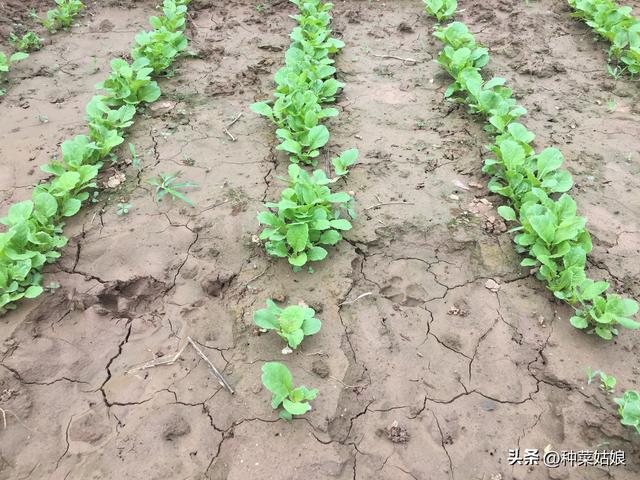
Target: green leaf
{"x": 290, "y": 146}
{"x": 268, "y": 218}
{"x": 342, "y": 163}
{"x": 21, "y": 211}
{"x": 564, "y": 182}
{"x": 291, "y": 318}
{"x": 311, "y": 326}
{"x": 262, "y": 108}
{"x": 277, "y": 378}
{"x": 70, "y": 207}
{"x": 520, "y": 132}
{"x": 297, "y": 394}
{"x": 45, "y": 204}
{"x": 315, "y": 254}
{"x": 591, "y": 289}
{"x": 68, "y": 180}
{"x": 317, "y": 137}
{"x": 298, "y": 260}
{"x": 330, "y": 237}
{"x": 543, "y": 226}
{"x": 340, "y": 224}
{"x": 569, "y": 229}
{"x": 629, "y": 307}
{"x": 310, "y": 394}
{"x": 296, "y": 408}
{"x": 529, "y": 262}
{"x": 277, "y": 248}
{"x": 579, "y": 322}
{"x": 604, "y": 333}
{"x": 285, "y": 415}
{"x": 16, "y": 57}
{"x": 33, "y": 291}
{"x": 294, "y": 338}
{"x": 340, "y": 197}
{"x": 512, "y": 154}
{"x": 298, "y": 236}
{"x": 628, "y": 323}
{"x": 265, "y": 318}
{"x": 507, "y": 213}
{"x": 549, "y": 160}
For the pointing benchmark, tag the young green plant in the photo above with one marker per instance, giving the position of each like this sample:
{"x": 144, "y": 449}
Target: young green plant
{"x": 441, "y": 9}
{"x": 5, "y": 66}
{"x": 607, "y": 382}
{"x": 629, "y": 409}
{"x": 304, "y": 84}
{"x": 294, "y": 401}
{"x": 166, "y": 184}
{"x": 28, "y": 42}
{"x": 616, "y": 24}
{"x": 33, "y": 234}
{"x": 292, "y": 323}
{"x": 550, "y": 233}
{"x": 307, "y": 218}
{"x": 62, "y": 17}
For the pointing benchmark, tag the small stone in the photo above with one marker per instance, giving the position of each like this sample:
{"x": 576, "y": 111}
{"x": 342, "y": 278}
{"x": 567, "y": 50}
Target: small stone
{"x": 279, "y": 297}
{"x": 115, "y": 180}
{"x": 488, "y": 405}
{"x": 460, "y": 185}
{"x": 158, "y": 109}
{"x": 492, "y": 285}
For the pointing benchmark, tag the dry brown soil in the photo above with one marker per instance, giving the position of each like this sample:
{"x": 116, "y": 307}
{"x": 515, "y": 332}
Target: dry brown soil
{"x": 466, "y": 372}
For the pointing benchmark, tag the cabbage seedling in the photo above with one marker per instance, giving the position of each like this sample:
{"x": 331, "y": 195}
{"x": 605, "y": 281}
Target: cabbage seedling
{"x": 62, "y": 16}
{"x": 441, "y": 9}
{"x": 130, "y": 83}
{"x": 292, "y": 323}
{"x": 629, "y": 409}
{"x": 294, "y": 401}
{"x": 5, "y": 64}
{"x": 29, "y": 42}
{"x": 308, "y": 216}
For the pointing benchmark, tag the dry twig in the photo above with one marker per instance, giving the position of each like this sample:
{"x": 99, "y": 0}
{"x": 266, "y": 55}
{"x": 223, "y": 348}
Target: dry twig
{"x": 355, "y": 299}
{"x": 388, "y": 203}
{"x": 405, "y": 61}
{"x": 174, "y": 358}
{"x": 226, "y": 129}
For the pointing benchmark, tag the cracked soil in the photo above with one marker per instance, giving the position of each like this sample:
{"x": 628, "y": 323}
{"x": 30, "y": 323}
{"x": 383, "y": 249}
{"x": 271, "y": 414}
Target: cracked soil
{"x": 423, "y": 371}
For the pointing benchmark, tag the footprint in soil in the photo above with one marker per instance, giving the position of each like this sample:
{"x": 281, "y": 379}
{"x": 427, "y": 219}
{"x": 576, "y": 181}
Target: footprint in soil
{"x": 398, "y": 290}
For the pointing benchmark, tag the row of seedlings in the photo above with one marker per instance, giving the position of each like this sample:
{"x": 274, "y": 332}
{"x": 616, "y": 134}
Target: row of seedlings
{"x": 618, "y": 26}
{"x": 34, "y": 233}
{"x": 308, "y": 217}
{"x": 550, "y": 234}
{"x": 57, "y": 18}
